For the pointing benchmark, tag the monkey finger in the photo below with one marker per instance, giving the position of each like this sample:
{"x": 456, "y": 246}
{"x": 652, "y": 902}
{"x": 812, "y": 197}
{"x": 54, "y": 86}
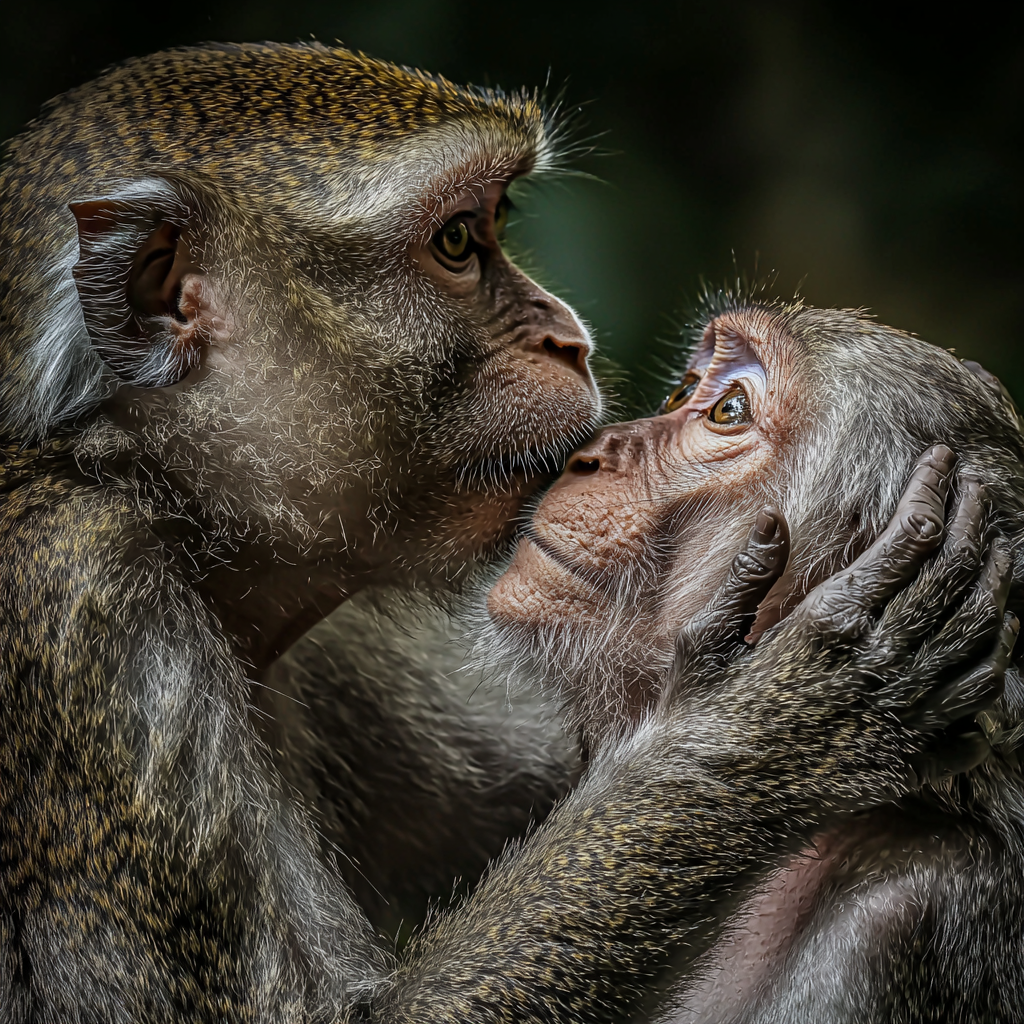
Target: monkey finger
{"x": 976, "y": 623}
{"x": 971, "y": 692}
{"x": 839, "y": 607}
{"x": 949, "y": 756}
{"x": 752, "y": 574}
{"x": 917, "y": 610}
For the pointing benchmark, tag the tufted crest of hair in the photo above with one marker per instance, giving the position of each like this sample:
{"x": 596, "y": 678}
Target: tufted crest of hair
{"x": 307, "y": 138}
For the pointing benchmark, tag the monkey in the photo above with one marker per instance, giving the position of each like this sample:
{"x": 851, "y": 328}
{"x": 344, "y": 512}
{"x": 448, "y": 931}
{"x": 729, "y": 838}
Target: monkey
{"x": 260, "y": 349}
{"x": 198, "y": 342}
{"x": 906, "y": 911}
{"x": 477, "y": 327}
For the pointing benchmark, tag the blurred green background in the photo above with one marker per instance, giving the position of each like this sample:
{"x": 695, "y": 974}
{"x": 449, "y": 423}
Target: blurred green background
{"x": 869, "y": 154}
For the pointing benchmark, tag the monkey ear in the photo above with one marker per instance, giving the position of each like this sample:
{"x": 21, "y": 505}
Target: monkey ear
{"x": 146, "y": 306}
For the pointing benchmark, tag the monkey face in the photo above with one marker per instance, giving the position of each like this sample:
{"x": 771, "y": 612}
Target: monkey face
{"x": 628, "y": 508}
{"x": 645, "y": 520}
{"x": 821, "y": 413}
{"x": 297, "y": 314}
{"x": 474, "y": 389}
{"x": 521, "y": 383}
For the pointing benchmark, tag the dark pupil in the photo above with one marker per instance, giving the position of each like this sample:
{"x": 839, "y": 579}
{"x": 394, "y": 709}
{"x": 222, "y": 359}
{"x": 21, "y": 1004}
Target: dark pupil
{"x": 733, "y": 407}
{"x": 455, "y": 234}
{"x": 684, "y": 393}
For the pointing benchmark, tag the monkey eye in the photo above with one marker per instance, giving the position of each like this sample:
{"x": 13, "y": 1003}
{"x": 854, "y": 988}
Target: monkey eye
{"x": 501, "y": 217}
{"x": 681, "y": 395}
{"x": 454, "y": 241}
{"x": 731, "y": 409}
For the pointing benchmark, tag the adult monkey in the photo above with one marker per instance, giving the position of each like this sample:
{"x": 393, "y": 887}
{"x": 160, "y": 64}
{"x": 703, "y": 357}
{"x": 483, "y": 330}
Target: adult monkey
{"x": 281, "y": 356}
{"x": 908, "y": 912}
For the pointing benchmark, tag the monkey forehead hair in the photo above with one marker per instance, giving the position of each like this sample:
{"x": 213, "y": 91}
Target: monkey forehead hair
{"x": 316, "y": 140}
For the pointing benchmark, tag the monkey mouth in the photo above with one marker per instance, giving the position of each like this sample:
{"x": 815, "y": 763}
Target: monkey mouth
{"x": 530, "y": 536}
{"x": 551, "y": 553}
{"x": 539, "y": 567}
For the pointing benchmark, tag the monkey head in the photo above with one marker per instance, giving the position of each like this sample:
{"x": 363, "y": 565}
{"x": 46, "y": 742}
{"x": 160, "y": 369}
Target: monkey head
{"x": 270, "y": 280}
{"x": 818, "y": 412}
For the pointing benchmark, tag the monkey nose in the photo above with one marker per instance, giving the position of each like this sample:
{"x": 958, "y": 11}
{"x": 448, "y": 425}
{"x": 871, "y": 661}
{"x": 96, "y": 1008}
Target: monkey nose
{"x": 599, "y": 454}
{"x": 614, "y": 449}
{"x": 554, "y": 329}
{"x": 573, "y": 353}
{"x": 582, "y": 465}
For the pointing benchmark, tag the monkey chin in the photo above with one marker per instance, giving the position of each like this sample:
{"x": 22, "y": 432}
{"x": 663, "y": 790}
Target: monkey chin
{"x": 477, "y": 525}
{"x": 538, "y": 590}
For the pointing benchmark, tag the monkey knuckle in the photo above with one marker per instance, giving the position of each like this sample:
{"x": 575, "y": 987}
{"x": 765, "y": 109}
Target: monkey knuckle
{"x": 745, "y": 566}
{"x": 964, "y": 552}
{"x": 833, "y": 628}
{"x": 919, "y": 528}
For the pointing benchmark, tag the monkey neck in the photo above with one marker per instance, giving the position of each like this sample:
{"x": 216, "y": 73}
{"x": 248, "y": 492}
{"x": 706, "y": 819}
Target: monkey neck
{"x": 266, "y": 607}
{"x": 262, "y": 581}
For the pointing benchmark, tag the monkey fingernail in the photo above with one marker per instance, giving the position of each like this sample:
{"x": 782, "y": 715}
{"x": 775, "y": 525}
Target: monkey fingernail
{"x": 766, "y": 527}
{"x": 941, "y": 457}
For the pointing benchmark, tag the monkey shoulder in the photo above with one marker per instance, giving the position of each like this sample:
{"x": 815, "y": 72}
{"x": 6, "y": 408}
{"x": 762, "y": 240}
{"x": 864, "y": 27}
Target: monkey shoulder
{"x": 60, "y": 537}
{"x": 85, "y": 581}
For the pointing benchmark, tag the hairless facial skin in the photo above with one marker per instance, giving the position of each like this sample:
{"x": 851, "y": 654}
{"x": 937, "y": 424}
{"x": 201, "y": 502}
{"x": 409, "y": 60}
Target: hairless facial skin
{"x": 907, "y": 911}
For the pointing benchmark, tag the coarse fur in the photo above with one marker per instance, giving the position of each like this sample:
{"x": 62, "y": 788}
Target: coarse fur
{"x": 918, "y": 917}
{"x": 375, "y": 134}
{"x": 307, "y": 399}
{"x": 155, "y": 863}
{"x": 418, "y": 770}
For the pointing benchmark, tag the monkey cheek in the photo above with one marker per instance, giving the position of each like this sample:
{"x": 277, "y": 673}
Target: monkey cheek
{"x": 476, "y": 524}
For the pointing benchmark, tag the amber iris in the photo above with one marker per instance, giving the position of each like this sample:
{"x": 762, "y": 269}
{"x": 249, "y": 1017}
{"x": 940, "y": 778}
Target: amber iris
{"x": 732, "y": 408}
{"x": 453, "y": 240}
{"x": 681, "y": 395}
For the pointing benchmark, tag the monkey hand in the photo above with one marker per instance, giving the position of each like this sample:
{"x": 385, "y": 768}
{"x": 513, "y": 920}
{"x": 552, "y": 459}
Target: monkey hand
{"x": 875, "y": 678}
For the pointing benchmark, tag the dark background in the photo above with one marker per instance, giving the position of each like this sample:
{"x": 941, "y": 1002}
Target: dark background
{"x": 871, "y": 155}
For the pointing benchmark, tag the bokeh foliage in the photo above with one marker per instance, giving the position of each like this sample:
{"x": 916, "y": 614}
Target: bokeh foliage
{"x": 870, "y": 154}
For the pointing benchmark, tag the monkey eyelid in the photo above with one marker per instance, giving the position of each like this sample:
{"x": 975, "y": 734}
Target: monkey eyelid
{"x": 456, "y": 267}
{"x": 705, "y": 398}
{"x": 445, "y": 200}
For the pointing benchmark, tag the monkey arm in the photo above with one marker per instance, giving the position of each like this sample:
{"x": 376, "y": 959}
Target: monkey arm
{"x": 412, "y": 766}
{"x": 668, "y": 827}
{"x": 154, "y": 869}
{"x": 151, "y": 868}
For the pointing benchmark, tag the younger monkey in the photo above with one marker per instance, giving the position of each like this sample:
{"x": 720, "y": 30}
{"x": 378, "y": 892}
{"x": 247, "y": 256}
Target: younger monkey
{"x": 910, "y": 911}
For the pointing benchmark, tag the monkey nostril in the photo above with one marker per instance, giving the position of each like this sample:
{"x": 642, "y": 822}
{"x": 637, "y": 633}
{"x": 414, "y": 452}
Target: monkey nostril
{"x": 581, "y": 464}
{"x": 567, "y": 353}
